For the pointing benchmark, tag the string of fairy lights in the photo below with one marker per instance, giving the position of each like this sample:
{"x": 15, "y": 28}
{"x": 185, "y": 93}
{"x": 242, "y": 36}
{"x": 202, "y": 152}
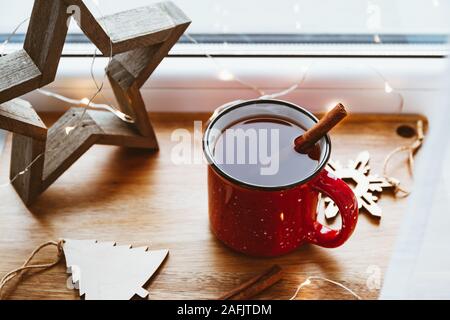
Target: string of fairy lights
{"x": 85, "y": 102}
{"x": 224, "y": 74}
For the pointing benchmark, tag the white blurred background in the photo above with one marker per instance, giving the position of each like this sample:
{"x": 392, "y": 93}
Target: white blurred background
{"x": 283, "y": 16}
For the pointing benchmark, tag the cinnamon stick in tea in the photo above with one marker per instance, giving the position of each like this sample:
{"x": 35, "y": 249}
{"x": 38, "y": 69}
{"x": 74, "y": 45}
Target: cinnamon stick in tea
{"x": 256, "y": 285}
{"x": 307, "y": 140}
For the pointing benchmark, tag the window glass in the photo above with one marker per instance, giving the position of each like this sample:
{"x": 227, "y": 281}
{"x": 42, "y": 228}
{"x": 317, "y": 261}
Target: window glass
{"x": 421, "y": 22}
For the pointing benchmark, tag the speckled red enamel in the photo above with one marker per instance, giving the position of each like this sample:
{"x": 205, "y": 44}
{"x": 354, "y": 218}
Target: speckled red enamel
{"x": 272, "y": 223}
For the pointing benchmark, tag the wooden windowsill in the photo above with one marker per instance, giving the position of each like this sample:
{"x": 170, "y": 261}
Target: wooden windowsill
{"x": 140, "y": 198}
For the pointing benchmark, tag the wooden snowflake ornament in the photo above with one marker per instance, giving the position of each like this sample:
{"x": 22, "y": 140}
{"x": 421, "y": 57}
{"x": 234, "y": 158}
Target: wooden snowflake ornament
{"x": 365, "y": 183}
{"x": 106, "y": 271}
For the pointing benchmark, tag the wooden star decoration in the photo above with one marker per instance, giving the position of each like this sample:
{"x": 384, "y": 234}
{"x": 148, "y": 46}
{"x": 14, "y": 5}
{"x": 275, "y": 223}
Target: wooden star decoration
{"x": 365, "y": 184}
{"x": 137, "y": 40}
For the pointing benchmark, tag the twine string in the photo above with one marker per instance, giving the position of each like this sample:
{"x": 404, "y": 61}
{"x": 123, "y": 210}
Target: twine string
{"x": 309, "y": 280}
{"x": 399, "y": 190}
{"x": 28, "y": 266}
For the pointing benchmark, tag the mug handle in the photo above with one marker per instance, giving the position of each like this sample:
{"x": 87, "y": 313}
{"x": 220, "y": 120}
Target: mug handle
{"x": 345, "y": 200}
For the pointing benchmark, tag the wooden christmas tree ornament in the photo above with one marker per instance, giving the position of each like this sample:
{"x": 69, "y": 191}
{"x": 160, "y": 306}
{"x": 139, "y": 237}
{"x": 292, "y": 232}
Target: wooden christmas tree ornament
{"x": 106, "y": 271}
{"x": 100, "y": 270}
{"x": 137, "y": 40}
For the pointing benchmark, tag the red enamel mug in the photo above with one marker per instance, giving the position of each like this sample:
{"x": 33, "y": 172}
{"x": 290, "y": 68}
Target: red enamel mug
{"x": 268, "y": 221}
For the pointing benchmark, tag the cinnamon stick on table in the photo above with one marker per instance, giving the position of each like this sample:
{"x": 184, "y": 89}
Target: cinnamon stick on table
{"x": 256, "y": 285}
{"x": 306, "y": 141}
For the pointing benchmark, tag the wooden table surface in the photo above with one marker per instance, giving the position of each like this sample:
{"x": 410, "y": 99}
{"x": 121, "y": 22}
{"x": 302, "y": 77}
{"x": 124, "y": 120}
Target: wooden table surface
{"x": 135, "y": 197}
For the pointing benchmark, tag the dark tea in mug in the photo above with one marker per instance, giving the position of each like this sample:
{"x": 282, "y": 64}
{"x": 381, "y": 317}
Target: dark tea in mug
{"x": 245, "y": 148}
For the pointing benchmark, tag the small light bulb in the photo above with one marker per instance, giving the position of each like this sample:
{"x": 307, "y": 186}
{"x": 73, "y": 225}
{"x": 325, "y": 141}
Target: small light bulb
{"x": 225, "y": 75}
{"x": 376, "y": 38}
{"x": 85, "y": 101}
{"x": 69, "y": 130}
{"x": 387, "y": 87}
{"x": 332, "y": 105}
